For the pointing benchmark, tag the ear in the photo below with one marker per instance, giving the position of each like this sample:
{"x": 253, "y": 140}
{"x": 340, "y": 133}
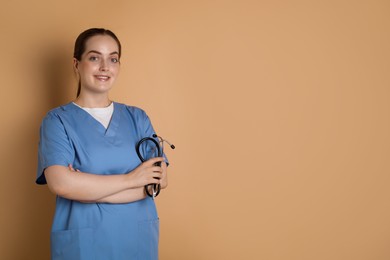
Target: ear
{"x": 75, "y": 64}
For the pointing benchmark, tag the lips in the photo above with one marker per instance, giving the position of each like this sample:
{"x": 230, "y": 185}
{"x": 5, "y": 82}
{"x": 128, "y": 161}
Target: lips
{"x": 102, "y": 77}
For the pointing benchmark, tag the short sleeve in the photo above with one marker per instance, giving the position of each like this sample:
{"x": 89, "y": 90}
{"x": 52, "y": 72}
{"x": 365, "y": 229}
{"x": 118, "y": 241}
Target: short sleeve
{"x": 149, "y": 131}
{"x": 54, "y": 146}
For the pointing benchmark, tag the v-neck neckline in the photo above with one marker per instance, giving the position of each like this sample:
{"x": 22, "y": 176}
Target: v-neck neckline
{"x": 112, "y": 126}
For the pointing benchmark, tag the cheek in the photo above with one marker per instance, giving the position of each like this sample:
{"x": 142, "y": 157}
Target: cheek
{"x": 115, "y": 72}
{"x": 86, "y": 69}
{"x": 116, "y": 69}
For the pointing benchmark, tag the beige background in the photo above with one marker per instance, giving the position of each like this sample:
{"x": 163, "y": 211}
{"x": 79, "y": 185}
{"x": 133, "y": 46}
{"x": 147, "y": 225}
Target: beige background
{"x": 279, "y": 110}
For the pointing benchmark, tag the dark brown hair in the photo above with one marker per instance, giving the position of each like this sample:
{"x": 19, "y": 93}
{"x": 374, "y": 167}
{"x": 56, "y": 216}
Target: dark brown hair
{"x": 79, "y": 46}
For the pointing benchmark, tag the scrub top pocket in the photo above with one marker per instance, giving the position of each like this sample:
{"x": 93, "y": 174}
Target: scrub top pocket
{"x": 76, "y": 244}
{"x": 148, "y": 233}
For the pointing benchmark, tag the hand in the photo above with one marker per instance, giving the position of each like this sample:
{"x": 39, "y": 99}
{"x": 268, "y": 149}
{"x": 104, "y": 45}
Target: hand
{"x": 146, "y": 173}
{"x": 164, "y": 176}
{"x": 70, "y": 166}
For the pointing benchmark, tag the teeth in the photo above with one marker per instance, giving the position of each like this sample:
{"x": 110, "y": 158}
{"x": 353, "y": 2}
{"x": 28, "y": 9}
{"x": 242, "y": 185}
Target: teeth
{"x": 102, "y": 77}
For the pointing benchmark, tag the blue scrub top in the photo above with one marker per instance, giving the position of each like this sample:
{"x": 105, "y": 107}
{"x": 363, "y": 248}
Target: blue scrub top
{"x": 101, "y": 231}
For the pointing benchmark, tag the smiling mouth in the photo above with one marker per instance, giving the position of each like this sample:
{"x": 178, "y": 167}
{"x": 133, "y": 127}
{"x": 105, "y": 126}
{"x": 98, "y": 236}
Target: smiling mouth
{"x": 102, "y": 77}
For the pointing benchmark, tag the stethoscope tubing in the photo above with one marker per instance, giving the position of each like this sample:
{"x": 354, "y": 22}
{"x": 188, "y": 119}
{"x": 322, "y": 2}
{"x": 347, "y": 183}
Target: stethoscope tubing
{"x": 156, "y": 187}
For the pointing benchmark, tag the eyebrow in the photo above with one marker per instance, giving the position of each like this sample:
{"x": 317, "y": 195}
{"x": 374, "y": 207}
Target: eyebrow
{"x": 97, "y": 52}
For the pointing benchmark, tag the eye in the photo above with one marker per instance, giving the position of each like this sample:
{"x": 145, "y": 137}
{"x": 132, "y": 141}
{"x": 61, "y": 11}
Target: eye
{"x": 114, "y": 60}
{"x": 93, "y": 58}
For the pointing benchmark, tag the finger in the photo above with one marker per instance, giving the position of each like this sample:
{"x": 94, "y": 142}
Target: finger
{"x": 154, "y": 160}
{"x": 157, "y": 175}
{"x": 164, "y": 170}
{"x": 164, "y": 166}
{"x": 154, "y": 180}
{"x": 157, "y": 169}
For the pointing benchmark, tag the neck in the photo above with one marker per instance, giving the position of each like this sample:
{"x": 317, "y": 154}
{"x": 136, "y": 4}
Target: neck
{"x": 93, "y": 101}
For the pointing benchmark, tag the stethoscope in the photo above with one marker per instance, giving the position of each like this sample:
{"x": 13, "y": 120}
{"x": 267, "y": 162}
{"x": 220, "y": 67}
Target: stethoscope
{"x": 147, "y": 148}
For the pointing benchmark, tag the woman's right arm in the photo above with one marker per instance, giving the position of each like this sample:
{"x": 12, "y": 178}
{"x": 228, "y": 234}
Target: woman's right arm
{"x": 131, "y": 195}
{"x": 89, "y": 187}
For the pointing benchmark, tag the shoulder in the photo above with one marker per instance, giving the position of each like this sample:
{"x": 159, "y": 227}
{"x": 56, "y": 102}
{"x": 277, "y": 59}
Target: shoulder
{"x": 57, "y": 115}
{"x": 138, "y": 116}
{"x": 61, "y": 110}
{"x": 132, "y": 110}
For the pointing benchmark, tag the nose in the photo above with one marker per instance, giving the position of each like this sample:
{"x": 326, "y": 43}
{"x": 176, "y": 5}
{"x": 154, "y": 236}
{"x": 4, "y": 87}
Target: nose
{"x": 103, "y": 65}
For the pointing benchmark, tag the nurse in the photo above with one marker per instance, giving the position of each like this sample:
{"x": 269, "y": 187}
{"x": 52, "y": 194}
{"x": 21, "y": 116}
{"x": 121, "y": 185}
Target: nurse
{"x": 87, "y": 157}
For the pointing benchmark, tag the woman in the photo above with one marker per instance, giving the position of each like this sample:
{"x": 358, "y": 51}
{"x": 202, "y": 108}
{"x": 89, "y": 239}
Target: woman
{"x": 87, "y": 157}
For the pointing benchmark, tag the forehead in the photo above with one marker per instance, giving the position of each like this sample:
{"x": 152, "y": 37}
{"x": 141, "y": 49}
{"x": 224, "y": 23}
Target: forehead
{"x": 101, "y": 43}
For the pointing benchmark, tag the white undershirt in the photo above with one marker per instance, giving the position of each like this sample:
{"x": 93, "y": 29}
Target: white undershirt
{"x": 101, "y": 114}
